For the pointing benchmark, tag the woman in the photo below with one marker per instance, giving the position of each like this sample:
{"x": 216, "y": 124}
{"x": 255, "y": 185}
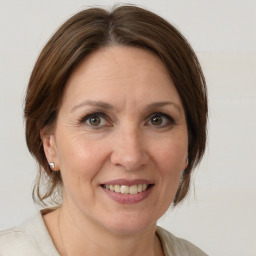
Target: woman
{"x": 116, "y": 112}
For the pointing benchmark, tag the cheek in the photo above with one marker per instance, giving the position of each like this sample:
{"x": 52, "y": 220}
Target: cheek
{"x": 171, "y": 155}
{"x": 80, "y": 164}
{"x": 81, "y": 159}
{"x": 169, "y": 160}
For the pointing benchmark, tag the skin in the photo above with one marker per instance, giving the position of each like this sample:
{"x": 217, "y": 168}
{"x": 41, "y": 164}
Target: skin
{"x": 131, "y": 142}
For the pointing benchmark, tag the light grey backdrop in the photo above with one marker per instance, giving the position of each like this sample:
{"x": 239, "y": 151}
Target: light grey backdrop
{"x": 220, "y": 216}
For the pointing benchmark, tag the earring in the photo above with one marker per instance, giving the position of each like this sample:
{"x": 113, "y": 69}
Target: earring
{"x": 52, "y": 165}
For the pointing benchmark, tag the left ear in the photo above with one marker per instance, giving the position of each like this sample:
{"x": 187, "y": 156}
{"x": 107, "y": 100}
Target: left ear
{"x": 50, "y": 149}
{"x": 186, "y": 164}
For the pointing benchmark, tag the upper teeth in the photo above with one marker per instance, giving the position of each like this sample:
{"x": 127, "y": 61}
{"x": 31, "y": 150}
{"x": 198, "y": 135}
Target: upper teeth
{"x": 124, "y": 189}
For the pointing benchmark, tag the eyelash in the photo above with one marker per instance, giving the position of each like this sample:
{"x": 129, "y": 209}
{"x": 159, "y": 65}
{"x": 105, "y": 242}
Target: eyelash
{"x": 170, "y": 121}
{"x": 96, "y": 114}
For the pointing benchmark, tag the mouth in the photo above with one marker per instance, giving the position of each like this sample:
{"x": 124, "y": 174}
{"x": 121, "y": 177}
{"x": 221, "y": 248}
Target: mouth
{"x": 125, "y": 189}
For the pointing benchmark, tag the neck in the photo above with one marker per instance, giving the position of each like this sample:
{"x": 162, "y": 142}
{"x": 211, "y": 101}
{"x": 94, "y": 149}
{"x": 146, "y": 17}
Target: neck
{"x": 78, "y": 236}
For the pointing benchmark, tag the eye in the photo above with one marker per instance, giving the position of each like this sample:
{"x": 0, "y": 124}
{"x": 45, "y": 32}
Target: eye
{"x": 160, "y": 120}
{"x": 157, "y": 120}
{"x": 96, "y": 120}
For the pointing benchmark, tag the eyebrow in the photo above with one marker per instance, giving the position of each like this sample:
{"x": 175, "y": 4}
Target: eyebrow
{"x": 104, "y": 105}
{"x": 99, "y": 104}
{"x": 162, "y": 104}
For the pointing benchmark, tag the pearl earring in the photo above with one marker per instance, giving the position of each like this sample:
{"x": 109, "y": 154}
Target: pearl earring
{"x": 52, "y": 165}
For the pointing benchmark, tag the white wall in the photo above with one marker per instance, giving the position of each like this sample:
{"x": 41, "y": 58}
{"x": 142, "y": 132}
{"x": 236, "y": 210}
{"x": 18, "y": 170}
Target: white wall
{"x": 220, "y": 217}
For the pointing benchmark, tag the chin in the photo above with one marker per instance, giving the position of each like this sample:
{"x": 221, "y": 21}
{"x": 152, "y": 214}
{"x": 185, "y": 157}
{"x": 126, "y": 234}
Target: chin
{"x": 130, "y": 225}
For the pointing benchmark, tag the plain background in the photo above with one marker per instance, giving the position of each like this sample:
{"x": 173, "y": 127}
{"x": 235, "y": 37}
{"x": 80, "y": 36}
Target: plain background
{"x": 220, "y": 214}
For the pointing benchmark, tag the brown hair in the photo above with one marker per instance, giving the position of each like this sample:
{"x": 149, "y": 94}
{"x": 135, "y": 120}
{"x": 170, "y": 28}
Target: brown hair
{"x": 88, "y": 31}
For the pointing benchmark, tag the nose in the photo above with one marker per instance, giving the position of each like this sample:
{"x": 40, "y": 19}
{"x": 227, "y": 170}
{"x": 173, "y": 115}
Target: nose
{"x": 129, "y": 150}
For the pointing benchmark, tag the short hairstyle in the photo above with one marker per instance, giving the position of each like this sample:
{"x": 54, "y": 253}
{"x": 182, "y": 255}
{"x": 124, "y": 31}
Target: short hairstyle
{"x": 84, "y": 33}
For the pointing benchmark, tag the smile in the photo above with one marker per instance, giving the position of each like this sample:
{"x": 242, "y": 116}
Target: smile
{"x": 124, "y": 189}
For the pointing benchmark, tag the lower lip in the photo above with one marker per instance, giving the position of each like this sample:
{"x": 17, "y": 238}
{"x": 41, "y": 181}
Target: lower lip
{"x": 128, "y": 198}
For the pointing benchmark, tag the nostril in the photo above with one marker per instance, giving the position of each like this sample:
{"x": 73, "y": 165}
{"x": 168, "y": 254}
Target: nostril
{"x": 130, "y": 161}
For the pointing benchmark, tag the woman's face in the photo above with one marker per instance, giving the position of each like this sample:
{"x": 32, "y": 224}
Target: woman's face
{"x": 120, "y": 140}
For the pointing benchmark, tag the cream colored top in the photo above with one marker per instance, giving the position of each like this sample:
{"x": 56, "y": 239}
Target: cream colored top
{"x": 32, "y": 239}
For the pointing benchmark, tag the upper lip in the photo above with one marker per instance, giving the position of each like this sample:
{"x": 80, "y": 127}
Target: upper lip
{"x": 127, "y": 182}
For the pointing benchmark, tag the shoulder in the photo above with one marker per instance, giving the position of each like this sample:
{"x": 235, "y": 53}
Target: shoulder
{"x": 16, "y": 240}
{"x": 175, "y": 246}
{"x": 30, "y": 239}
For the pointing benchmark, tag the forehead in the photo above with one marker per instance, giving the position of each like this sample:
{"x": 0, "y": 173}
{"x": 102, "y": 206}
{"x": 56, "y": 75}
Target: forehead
{"x": 127, "y": 74}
